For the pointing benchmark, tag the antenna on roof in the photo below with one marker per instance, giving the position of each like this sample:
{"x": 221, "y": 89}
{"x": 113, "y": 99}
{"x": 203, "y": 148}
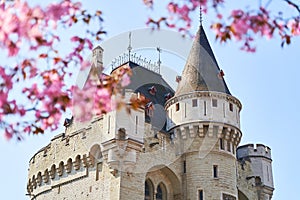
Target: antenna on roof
{"x": 159, "y": 61}
{"x": 129, "y": 47}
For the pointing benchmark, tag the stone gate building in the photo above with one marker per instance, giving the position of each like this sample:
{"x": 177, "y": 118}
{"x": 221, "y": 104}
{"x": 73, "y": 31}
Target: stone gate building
{"x": 183, "y": 144}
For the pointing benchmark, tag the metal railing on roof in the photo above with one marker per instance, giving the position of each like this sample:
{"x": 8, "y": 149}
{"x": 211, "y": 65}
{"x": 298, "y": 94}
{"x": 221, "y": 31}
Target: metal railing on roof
{"x": 143, "y": 62}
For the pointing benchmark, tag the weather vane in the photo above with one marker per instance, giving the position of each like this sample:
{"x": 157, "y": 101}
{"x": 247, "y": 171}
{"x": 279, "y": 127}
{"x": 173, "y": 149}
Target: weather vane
{"x": 200, "y": 15}
{"x": 129, "y": 47}
{"x": 159, "y": 61}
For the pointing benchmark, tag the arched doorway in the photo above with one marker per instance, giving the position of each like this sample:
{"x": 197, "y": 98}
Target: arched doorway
{"x": 161, "y": 183}
{"x": 161, "y": 192}
{"x": 149, "y": 190}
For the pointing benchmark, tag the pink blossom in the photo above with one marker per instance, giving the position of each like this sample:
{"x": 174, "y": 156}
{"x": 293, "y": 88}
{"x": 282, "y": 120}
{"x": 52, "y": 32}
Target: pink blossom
{"x": 7, "y": 135}
{"x": 294, "y": 26}
{"x": 125, "y": 80}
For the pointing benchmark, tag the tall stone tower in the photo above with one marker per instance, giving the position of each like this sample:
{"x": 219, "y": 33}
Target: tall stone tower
{"x": 181, "y": 145}
{"x": 204, "y": 118}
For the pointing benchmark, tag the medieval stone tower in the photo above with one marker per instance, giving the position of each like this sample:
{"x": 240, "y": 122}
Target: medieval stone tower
{"x": 183, "y": 145}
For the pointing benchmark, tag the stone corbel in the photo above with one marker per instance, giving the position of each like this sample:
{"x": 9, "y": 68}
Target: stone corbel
{"x": 201, "y": 130}
{"x": 227, "y": 134}
{"x": 192, "y": 131}
{"x": 220, "y": 132}
{"x": 183, "y": 132}
{"x": 210, "y": 131}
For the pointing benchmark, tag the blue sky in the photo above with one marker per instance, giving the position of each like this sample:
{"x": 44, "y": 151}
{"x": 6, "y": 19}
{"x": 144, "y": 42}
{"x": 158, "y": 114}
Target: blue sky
{"x": 266, "y": 82}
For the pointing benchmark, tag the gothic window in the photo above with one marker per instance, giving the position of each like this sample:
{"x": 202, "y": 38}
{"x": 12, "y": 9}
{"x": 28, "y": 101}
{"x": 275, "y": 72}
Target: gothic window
{"x": 214, "y": 103}
{"x": 200, "y": 194}
{"x": 161, "y": 192}
{"x": 195, "y": 102}
{"x": 149, "y": 190}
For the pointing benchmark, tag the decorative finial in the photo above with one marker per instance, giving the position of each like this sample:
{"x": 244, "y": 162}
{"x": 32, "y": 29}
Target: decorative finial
{"x": 129, "y": 47}
{"x": 159, "y": 61}
{"x": 200, "y": 14}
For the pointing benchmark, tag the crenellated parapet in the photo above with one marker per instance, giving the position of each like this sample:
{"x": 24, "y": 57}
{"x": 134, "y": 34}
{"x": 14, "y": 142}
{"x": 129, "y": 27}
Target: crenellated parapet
{"x": 251, "y": 150}
{"x": 65, "y": 172}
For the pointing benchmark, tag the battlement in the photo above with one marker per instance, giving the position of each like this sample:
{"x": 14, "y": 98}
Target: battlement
{"x": 252, "y": 150}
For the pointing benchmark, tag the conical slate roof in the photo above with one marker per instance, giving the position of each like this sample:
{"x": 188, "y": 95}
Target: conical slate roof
{"x": 201, "y": 71}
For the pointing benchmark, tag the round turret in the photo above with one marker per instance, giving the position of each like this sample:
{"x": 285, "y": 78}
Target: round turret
{"x": 204, "y": 121}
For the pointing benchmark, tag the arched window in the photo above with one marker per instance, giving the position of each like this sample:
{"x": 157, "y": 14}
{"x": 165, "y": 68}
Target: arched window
{"x": 95, "y": 154}
{"x": 161, "y": 192}
{"x": 149, "y": 190}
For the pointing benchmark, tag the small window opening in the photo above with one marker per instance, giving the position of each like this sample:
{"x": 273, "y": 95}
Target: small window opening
{"x": 204, "y": 108}
{"x": 231, "y": 107}
{"x": 268, "y": 173}
{"x": 228, "y": 146}
{"x": 215, "y": 171}
{"x": 122, "y": 134}
{"x": 221, "y": 143}
{"x": 177, "y": 107}
{"x": 136, "y": 123}
{"x": 108, "y": 124}
{"x": 205, "y": 129}
{"x": 214, "y": 103}
{"x": 184, "y": 166}
{"x": 200, "y": 192}
{"x": 195, "y": 102}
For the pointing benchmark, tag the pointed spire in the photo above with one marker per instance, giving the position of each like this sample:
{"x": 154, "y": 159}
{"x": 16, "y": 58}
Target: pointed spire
{"x": 201, "y": 71}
